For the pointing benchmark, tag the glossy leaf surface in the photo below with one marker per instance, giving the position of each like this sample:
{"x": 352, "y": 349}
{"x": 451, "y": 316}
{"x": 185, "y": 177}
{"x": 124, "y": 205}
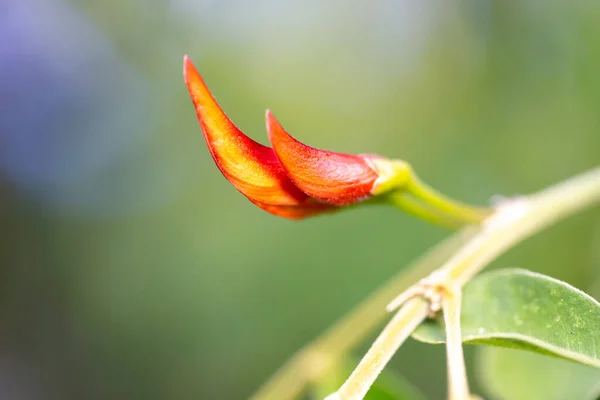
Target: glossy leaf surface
{"x": 522, "y": 309}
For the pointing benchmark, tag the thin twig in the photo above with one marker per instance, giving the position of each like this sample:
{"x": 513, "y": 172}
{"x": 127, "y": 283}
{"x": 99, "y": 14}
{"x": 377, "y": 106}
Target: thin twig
{"x": 458, "y": 384}
{"x": 393, "y": 335}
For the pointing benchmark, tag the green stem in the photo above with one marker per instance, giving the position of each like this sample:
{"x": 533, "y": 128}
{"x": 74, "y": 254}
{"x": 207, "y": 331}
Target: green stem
{"x": 519, "y": 219}
{"x": 389, "y": 340}
{"x": 456, "y": 210}
{"x": 458, "y": 385}
{"x": 411, "y": 206}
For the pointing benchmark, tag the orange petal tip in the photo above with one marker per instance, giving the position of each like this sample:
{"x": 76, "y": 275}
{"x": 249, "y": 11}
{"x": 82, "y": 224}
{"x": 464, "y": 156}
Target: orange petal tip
{"x": 251, "y": 167}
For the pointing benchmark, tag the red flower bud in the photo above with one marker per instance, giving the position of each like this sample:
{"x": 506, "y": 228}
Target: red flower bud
{"x": 291, "y": 180}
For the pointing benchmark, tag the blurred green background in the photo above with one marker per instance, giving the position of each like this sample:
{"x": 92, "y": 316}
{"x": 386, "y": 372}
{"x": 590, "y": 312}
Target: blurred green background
{"x": 132, "y": 270}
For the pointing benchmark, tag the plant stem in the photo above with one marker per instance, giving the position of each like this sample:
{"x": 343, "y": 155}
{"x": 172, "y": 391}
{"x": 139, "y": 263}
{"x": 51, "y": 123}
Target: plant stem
{"x": 459, "y": 211}
{"x": 458, "y": 385}
{"x": 389, "y": 340}
{"x": 543, "y": 209}
{"x": 413, "y": 207}
{"x": 520, "y": 218}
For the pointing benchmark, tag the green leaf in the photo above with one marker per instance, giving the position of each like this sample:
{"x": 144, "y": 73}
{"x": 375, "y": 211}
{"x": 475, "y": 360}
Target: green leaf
{"x": 521, "y": 309}
{"x": 389, "y": 385}
{"x": 517, "y": 375}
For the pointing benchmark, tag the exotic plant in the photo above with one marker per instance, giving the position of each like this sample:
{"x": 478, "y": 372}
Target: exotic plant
{"x": 448, "y": 303}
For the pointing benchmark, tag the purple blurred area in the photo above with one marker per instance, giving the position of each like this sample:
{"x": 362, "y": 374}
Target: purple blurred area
{"x": 71, "y": 109}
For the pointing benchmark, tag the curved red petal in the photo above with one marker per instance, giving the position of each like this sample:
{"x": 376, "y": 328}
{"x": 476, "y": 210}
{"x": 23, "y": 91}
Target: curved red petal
{"x": 252, "y": 168}
{"x": 336, "y": 178}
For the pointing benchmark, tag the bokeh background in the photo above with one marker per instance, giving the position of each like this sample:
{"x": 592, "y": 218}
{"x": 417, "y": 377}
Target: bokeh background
{"x": 130, "y": 269}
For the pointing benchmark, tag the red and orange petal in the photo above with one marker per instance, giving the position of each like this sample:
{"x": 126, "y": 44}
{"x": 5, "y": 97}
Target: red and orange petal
{"x": 336, "y": 178}
{"x": 252, "y": 168}
{"x": 307, "y": 209}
